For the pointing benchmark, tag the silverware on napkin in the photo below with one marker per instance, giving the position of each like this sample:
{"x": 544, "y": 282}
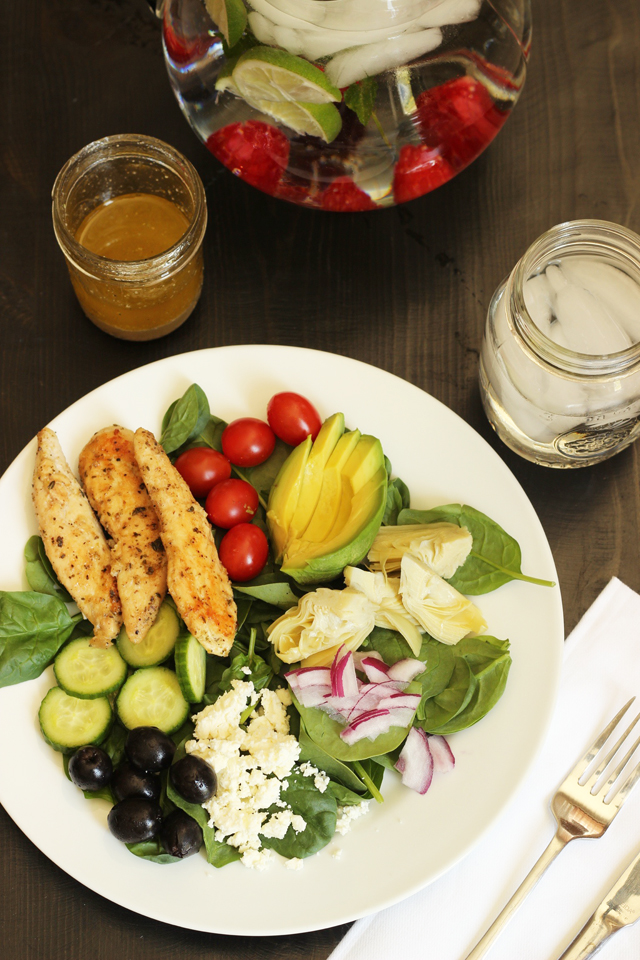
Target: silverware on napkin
{"x": 620, "y": 907}
{"x": 583, "y": 806}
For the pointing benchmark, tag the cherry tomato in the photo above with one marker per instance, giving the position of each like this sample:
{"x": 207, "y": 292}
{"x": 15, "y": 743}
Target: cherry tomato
{"x": 248, "y": 442}
{"x": 202, "y": 468}
{"x": 244, "y": 551}
{"x": 293, "y": 418}
{"x": 231, "y": 502}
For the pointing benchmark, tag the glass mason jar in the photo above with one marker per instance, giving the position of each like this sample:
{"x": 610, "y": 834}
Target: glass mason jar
{"x": 134, "y": 299}
{"x": 346, "y": 104}
{"x": 560, "y": 360}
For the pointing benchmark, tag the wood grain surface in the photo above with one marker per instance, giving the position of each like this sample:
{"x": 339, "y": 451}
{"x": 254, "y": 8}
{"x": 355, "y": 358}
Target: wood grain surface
{"x": 406, "y": 289}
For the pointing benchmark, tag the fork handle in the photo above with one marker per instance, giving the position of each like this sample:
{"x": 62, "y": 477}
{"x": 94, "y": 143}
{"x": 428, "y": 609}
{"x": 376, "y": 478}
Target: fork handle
{"x": 557, "y": 844}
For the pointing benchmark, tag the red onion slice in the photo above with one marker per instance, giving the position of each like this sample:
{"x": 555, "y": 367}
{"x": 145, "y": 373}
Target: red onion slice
{"x": 370, "y": 724}
{"x": 374, "y": 669}
{"x": 415, "y": 762}
{"x": 443, "y": 758}
{"x": 313, "y": 696}
{"x": 344, "y": 682}
{"x": 360, "y": 655}
{"x": 409, "y": 700}
{"x": 406, "y": 670}
{"x": 309, "y": 677}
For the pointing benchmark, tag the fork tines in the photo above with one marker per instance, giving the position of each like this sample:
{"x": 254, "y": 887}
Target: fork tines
{"x": 594, "y": 780}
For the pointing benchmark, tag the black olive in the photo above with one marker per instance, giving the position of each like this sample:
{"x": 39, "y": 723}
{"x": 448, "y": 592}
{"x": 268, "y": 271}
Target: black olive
{"x": 135, "y": 819}
{"x": 149, "y": 749}
{"x": 90, "y": 768}
{"x": 194, "y": 779}
{"x": 180, "y": 835}
{"x": 128, "y": 781}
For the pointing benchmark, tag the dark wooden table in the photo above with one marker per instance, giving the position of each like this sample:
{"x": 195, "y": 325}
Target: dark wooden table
{"x": 406, "y": 289}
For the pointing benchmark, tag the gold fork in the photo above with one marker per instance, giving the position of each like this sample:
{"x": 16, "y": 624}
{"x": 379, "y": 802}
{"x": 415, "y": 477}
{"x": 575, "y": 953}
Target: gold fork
{"x": 583, "y": 806}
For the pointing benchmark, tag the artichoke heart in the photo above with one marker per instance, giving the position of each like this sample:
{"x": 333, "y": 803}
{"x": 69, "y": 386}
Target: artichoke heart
{"x": 323, "y": 621}
{"x": 384, "y": 594}
{"x": 437, "y": 606}
{"x": 442, "y": 546}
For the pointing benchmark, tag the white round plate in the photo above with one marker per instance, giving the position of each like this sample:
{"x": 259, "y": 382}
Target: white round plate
{"x": 402, "y": 844}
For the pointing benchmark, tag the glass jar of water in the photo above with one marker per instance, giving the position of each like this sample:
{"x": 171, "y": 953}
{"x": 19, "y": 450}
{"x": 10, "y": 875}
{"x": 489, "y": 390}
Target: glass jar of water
{"x": 560, "y": 360}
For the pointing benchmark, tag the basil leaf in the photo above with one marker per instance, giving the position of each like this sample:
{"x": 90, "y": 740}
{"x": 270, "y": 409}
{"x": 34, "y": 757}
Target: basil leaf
{"x": 33, "y": 627}
{"x": 39, "y": 572}
{"x": 361, "y": 97}
{"x": 319, "y": 810}
{"x": 186, "y": 419}
{"x": 495, "y": 556}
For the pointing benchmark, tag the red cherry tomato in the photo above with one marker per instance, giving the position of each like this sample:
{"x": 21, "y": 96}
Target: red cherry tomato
{"x": 202, "y": 468}
{"x": 248, "y": 442}
{"x": 244, "y": 551}
{"x": 293, "y": 418}
{"x": 231, "y": 502}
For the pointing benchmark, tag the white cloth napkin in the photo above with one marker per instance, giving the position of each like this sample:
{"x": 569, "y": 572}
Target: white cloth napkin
{"x": 601, "y": 671}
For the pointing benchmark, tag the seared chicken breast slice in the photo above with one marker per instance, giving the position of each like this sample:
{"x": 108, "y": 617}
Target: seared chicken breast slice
{"x": 74, "y": 541}
{"x": 111, "y": 479}
{"x": 196, "y": 579}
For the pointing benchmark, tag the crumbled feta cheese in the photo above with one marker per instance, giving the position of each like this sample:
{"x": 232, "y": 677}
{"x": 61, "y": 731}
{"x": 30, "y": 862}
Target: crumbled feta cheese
{"x": 346, "y": 816}
{"x": 320, "y": 779}
{"x": 295, "y": 863}
{"x": 250, "y": 765}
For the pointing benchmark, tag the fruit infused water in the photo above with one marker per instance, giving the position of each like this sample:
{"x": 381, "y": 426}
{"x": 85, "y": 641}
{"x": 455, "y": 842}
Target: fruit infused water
{"x": 560, "y": 362}
{"x": 346, "y": 105}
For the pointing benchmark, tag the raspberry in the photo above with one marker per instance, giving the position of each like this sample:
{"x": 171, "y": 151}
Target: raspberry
{"x": 460, "y": 118}
{"x": 419, "y": 170}
{"x": 254, "y": 151}
{"x": 344, "y": 196}
{"x": 295, "y": 190}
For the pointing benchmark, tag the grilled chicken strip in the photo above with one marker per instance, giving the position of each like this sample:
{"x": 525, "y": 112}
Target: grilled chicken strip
{"x": 74, "y": 541}
{"x": 196, "y": 579}
{"x": 112, "y": 482}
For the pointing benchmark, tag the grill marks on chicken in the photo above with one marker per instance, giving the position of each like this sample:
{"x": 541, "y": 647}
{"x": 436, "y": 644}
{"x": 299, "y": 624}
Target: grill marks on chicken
{"x": 112, "y": 482}
{"x": 196, "y": 579}
{"x": 74, "y": 541}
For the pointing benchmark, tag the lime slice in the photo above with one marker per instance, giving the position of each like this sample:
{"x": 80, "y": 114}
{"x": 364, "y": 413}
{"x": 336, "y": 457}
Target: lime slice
{"x": 230, "y": 17}
{"x": 264, "y": 73}
{"x": 315, "y": 119}
{"x": 225, "y": 79}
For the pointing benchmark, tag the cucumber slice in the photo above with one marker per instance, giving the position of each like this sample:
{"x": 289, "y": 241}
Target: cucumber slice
{"x": 86, "y": 672}
{"x": 158, "y": 643}
{"x": 68, "y": 722}
{"x": 152, "y": 697}
{"x": 191, "y": 667}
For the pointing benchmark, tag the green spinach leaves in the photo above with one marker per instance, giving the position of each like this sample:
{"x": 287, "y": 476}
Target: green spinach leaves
{"x": 33, "y": 627}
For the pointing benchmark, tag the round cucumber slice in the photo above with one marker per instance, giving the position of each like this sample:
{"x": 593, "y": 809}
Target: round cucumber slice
{"x": 69, "y": 722}
{"x": 191, "y": 667}
{"x": 158, "y": 643}
{"x": 86, "y": 672}
{"x": 152, "y": 697}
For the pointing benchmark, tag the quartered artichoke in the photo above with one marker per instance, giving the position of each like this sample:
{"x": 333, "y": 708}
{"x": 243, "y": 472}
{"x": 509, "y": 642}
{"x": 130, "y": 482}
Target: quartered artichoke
{"x": 442, "y": 546}
{"x": 437, "y": 606}
{"x": 384, "y": 594}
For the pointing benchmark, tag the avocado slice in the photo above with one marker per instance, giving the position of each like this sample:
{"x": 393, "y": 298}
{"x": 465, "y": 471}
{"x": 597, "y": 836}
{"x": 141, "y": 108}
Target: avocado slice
{"x": 350, "y": 513}
{"x": 284, "y": 495}
{"x": 312, "y": 481}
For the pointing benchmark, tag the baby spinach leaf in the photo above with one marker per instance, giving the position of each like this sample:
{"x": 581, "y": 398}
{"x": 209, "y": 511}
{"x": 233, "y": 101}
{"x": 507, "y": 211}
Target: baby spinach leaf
{"x": 185, "y": 419}
{"x": 439, "y": 660}
{"x": 361, "y": 97}
{"x": 273, "y": 588}
{"x": 436, "y": 711}
{"x": 33, "y": 627}
{"x": 344, "y": 796}
{"x": 325, "y": 732}
{"x": 39, "y": 572}
{"x": 390, "y": 645}
{"x": 151, "y": 850}
{"x": 324, "y": 761}
{"x": 319, "y": 810}
{"x": 491, "y": 681}
{"x": 495, "y": 556}
{"x": 260, "y": 675}
{"x": 262, "y": 477}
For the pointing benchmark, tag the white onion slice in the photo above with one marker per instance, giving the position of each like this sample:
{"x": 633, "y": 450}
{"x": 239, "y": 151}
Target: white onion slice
{"x": 415, "y": 763}
{"x": 443, "y": 758}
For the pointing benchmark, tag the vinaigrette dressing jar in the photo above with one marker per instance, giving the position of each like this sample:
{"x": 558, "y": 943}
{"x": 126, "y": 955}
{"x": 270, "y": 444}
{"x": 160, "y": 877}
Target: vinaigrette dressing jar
{"x": 129, "y": 213}
{"x": 560, "y": 360}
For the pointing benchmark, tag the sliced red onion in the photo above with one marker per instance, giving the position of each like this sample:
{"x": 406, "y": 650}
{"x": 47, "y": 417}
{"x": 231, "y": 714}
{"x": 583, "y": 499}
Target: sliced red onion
{"x": 443, "y": 758}
{"x": 341, "y": 706}
{"x": 415, "y": 762}
{"x": 344, "y": 682}
{"x": 400, "y": 716}
{"x": 370, "y": 724}
{"x": 406, "y": 670}
{"x": 312, "y": 696}
{"x": 309, "y": 677}
{"x": 409, "y": 700}
{"x": 374, "y": 669}
{"x": 360, "y": 655}
{"x": 371, "y": 694}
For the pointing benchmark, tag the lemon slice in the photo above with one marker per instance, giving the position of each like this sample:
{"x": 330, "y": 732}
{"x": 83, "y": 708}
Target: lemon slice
{"x": 230, "y": 17}
{"x": 264, "y": 73}
{"x": 315, "y": 119}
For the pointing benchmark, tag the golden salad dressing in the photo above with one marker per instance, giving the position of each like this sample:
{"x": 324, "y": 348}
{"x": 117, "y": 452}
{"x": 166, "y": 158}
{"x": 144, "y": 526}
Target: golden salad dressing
{"x": 137, "y": 227}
